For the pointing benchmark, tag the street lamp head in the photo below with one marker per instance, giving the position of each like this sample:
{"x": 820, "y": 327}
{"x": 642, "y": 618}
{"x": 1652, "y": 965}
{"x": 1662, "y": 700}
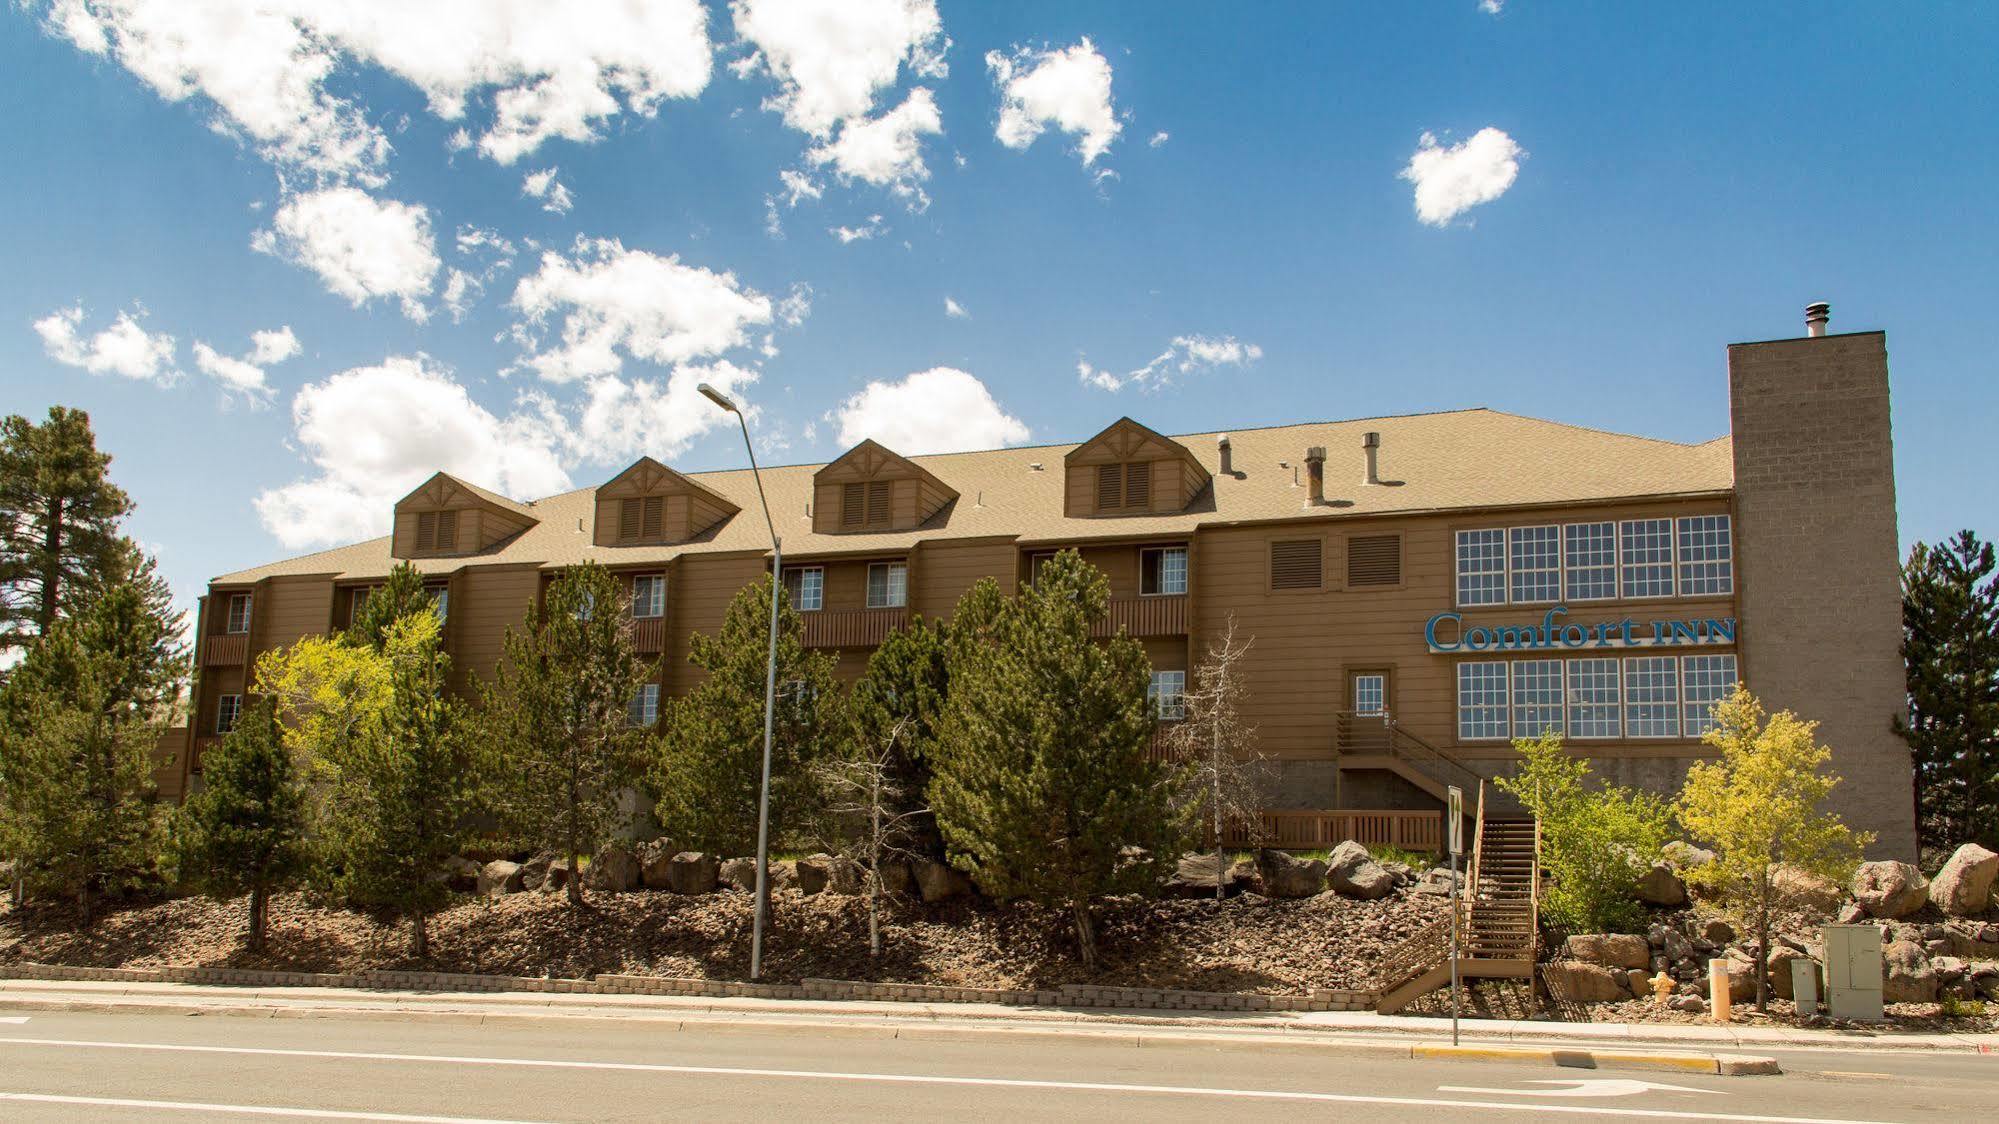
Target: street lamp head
{"x": 717, "y": 397}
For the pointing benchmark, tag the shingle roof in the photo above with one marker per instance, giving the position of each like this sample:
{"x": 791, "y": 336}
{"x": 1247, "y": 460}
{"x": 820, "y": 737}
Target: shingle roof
{"x": 1428, "y": 462}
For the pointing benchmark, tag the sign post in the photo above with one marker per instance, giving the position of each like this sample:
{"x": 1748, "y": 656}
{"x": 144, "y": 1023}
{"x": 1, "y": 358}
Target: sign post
{"x": 1454, "y": 819}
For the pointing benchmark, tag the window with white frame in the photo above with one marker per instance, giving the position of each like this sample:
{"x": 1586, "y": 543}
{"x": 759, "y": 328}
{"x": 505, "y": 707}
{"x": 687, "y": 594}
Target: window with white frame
{"x": 1705, "y": 680}
{"x": 1370, "y": 694}
{"x": 649, "y": 596}
{"x": 1646, "y": 557}
{"x": 1537, "y": 697}
{"x": 1589, "y": 559}
{"x": 1162, "y": 571}
{"x": 1592, "y": 698}
{"x": 644, "y": 710}
{"x": 1652, "y": 697}
{"x": 1482, "y": 701}
{"x": 888, "y": 585}
{"x": 227, "y": 709}
{"x": 239, "y": 613}
{"x": 1482, "y": 567}
{"x": 806, "y": 586}
{"x": 1707, "y": 558}
{"x": 1535, "y": 559}
{"x": 1168, "y": 695}
{"x": 440, "y": 602}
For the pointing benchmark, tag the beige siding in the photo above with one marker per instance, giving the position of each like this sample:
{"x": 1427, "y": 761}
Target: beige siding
{"x": 944, "y": 571}
{"x": 699, "y": 590}
{"x": 485, "y": 602}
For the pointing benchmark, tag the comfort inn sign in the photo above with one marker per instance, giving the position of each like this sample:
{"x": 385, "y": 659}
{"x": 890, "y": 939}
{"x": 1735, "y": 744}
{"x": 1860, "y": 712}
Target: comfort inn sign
{"x": 1446, "y": 632}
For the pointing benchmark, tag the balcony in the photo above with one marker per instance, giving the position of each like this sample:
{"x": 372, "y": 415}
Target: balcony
{"x": 201, "y": 747}
{"x": 649, "y": 634}
{"x": 851, "y": 628}
{"x": 225, "y": 650}
{"x": 1144, "y": 616}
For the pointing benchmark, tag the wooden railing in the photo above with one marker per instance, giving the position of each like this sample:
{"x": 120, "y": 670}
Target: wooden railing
{"x": 851, "y": 628}
{"x": 649, "y": 634}
{"x": 1144, "y": 616}
{"x": 225, "y": 650}
{"x": 1381, "y": 734}
{"x": 1429, "y": 947}
{"x": 1318, "y": 828}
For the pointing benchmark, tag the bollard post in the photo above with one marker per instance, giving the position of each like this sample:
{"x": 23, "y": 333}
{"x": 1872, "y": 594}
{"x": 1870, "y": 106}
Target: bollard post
{"x": 1717, "y": 988}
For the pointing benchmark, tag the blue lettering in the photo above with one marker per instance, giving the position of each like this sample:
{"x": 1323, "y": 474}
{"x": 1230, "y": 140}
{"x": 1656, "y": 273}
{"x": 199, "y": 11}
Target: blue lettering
{"x": 1430, "y": 632}
{"x": 1722, "y": 631}
{"x": 1685, "y": 629}
{"x": 1478, "y": 639}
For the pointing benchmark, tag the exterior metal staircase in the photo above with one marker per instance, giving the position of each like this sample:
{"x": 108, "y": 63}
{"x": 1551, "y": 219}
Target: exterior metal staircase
{"x": 1495, "y": 917}
{"x": 1377, "y": 741}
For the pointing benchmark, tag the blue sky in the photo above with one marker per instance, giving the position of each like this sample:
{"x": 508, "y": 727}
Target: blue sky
{"x": 1655, "y": 184}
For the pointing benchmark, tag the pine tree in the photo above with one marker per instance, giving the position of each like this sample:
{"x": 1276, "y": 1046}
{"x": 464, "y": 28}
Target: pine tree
{"x": 1225, "y": 772}
{"x": 560, "y": 704}
{"x": 245, "y": 832}
{"x": 1950, "y": 648}
{"x": 709, "y": 756}
{"x": 896, "y": 704}
{"x": 1043, "y": 786}
{"x": 59, "y": 516}
{"x": 402, "y": 594}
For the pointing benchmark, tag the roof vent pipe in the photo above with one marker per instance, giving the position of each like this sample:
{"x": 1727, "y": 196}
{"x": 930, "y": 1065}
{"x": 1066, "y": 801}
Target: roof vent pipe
{"x": 1370, "y": 447}
{"x": 1315, "y": 475}
{"x": 1816, "y": 315}
{"x": 1227, "y": 451}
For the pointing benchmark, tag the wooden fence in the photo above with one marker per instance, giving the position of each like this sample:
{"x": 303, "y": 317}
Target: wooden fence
{"x": 1315, "y": 829}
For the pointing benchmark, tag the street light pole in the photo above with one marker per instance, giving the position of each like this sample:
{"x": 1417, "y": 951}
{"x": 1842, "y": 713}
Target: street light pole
{"x": 770, "y": 693}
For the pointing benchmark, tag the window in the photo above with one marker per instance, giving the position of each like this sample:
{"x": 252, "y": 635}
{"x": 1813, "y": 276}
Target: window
{"x": 1481, "y": 700}
{"x": 1592, "y": 698}
{"x": 1652, "y": 697}
{"x": 1535, "y": 560}
{"x": 1537, "y": 697}
{"x": 1035, "y": 564}
{"x": 644, "y": 708}
{"x": 1168, "y": 695}
{"x": 1163, "y": 571}
{"x": 1370, "y": 694}
{"x": 238, "y": 621}
{"x": 888, "y": 585}
{"x": 806, "y": 586}
{"x": 357, "y": 600}
{"x": 1481, "y": 567}
{"x": 641, "y": 519}
{"x": 649, "y": 595}
{"x": 1707, "y": 564}
{"x": 1707, "y": 680}
{"x": 1589, "y": 554}
{"x": 587, "y": 608}
{"x": 440, "y": 601}
{"x": 1647, "y": 557}
{"x": 227, "y": 708}
{"x": 1374, "y": 560}
{"x": 1297, "y": 564}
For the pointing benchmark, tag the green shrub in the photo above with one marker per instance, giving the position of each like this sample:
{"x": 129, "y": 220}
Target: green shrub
{"x": 1595, "y": 842}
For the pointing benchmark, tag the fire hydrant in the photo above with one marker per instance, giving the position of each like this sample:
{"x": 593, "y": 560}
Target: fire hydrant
{"x": 1662, "y": 986}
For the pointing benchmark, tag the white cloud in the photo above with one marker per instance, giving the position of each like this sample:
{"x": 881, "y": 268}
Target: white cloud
{"x": 374, "y": 433}
{"x": 125, "y": 348}
{"x": 273, "y": 345}
{"x": 553, "y": 70}
{"x": 1491, "y": 7}
{"x": 1159, "y": 138}
{"x": 888, "y": 150}
{"x": 851, "y": 234}
{"x": 1452, "y": 180}
{"x": 955, "y": 310}
{"x": 941, "y": 410}
{"x": 361, "y": 247}
{"x": 461, "y": 291}
{"x": 554, "y": 196}
{"x": 621, "y": 419}
{"x": 831, "y": 57}
{"x": 244, "y": 377}
{"x": 796, "y": 306}
{"x": 613, "y": 300}
{"x": 1069, "y": 89}
{"x": 1184, "y": 355}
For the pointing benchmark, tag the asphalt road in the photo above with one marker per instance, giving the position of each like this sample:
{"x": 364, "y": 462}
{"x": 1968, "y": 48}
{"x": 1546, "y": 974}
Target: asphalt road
{"x": 65, "y": 1066}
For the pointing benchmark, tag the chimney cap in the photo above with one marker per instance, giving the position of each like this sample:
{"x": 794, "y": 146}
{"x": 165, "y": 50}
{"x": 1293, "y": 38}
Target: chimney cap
{"x": 1316, "y": 453}
{"x": 1817, "y": 314}
{"x": 1222, "y": 440}
{"x": 1370, "y": 440}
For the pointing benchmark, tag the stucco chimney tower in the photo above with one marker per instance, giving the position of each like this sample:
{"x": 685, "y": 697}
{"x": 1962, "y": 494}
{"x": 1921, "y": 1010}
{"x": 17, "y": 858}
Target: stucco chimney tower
{"x": 1370, "y": 447}
{"x": 1315, "y": 475}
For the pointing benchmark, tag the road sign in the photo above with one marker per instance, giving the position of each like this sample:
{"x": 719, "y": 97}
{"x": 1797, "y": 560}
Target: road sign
{"x": 1454, "y": 818}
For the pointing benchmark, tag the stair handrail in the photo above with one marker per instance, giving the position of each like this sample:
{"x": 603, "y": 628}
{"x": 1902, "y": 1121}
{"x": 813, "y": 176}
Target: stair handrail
{"x": 1477, "y": 846}
{"x": 1399, "y": 739}
{"x": 1534, "y": 897}
{"x": 1424, "y": 949}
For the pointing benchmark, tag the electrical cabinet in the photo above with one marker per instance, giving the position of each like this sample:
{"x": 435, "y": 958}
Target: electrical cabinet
{"x": 1853, "y": 971}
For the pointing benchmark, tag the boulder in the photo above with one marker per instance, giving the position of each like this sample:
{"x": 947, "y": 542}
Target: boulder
{"x": 1660, "y": 886}
{"x": 1689, "y": 1004}
{"x": 1612, "y": 950}
{"x": 1850, "y": 914}
{"x": 535, "y": 871}
{"x": 461, "y": 874}
{"x": 1780, "y": 971}
{"x": 655, "y": 861}
{"x": 1717, "y": 932}
{"x": 1353, "y": 873}
{"x": 1804, "y": 890}
{"x": 835, "y": 874}
{"x": 1285, "y": 875}
{"x": 614, "y": 869}
{"x": 1435, "y": 882}
{"x": 1676, "y": 946}
{"x": 556, "y": 880}
{"x": 737, "y": 874}
{"x": 938, "y": 881}
{"x": 499, "y": 877}
{"x": 897, "y": 877}
{"x": 1964, "y": 886}
{"x": 1584, "y": 983}
{"x": 1639, "y": 981}
{"x": 1741, "y": 979}
{"x": 1196, "y": 875}
{"x": 1889, "y": 889}
{"x": 691, "y": 872}
{"x": 1906, "y": 974}
{"x": 1682, "y": 856}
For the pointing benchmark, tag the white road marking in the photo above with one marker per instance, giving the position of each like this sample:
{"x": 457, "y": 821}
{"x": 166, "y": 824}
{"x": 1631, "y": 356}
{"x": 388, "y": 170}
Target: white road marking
{"x": 1580, "y": 1087}
{"x": 17, "y": 1020}
{"x": 244, "y": 1109}
{"x": 934, "y": 1079}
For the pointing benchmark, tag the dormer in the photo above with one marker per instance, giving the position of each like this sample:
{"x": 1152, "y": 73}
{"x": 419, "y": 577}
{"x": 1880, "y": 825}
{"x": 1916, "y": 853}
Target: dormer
{"x": 649, "y": 504}
{"x": 1130, "y": 470}
{"x": 873, "y": 488}
{"x": 445, "y": 516}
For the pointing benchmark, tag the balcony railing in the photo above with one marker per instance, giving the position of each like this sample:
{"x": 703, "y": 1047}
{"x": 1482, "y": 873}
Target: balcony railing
{"x": 225, "y": 650}
{"x": 1145, "y": 616}
{"x": 1314, "y": 829}
{"x": 851, "y": 628}
{"x": 649, "y": 634}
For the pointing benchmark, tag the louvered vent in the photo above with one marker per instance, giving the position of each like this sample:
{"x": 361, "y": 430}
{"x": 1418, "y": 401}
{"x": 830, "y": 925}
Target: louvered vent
{"x": 426, "y": 530}
{"x": 1138, "y": 485}
{"x": 879, "y": 492}
{"x": 650, "y": 524}
{"x": 1374, "y": 560}
{"x": 853, "y": 505}
{"x": 1296, "y": 564}
{"x": 1110, "y": 486}
{"x": 628, "y": 520}
{"x": 447, "y": 530}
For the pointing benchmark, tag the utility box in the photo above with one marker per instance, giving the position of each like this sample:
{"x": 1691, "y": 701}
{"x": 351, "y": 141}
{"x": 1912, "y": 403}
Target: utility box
{"x": 1805, "y": 986}
{"x": 1853, "y": 971}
